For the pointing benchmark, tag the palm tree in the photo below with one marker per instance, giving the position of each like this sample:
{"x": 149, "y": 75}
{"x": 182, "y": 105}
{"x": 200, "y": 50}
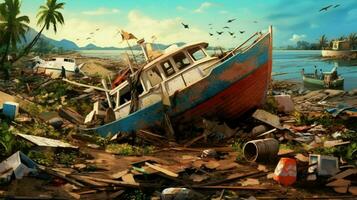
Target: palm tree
{"x": 48, "y": 16}
{"x": 323, "y": 41}
{"x": 352, "y": 39}
{"x": 13, "y": 28}
{"x": 342, "y": 38}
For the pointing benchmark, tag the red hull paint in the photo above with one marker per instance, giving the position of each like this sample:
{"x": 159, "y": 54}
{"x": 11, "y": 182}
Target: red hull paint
{"x": 231, "y": 103}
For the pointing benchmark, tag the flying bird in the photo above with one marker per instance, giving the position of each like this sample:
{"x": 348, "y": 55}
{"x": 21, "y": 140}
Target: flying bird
{"x": 97, "y": 29}
{"x": 219, "y": 33}
{"x": 209, "y": 24}
{"x": 88, "y": 38}
{"x": 91, "y": 33}
{"x": 241, "y": 32}
{"x": 255, "y": 22}
{"x": 234, "y": 36}
{"x": 230, "y": 33}
{"x": 336, "y": 6}
{"x": 210, "y": 34}
{"x": 325, "y": 8}
{"x": 231, "y": 20}
{"x": 185, "y": 25}
{"x": 226, "y": 27}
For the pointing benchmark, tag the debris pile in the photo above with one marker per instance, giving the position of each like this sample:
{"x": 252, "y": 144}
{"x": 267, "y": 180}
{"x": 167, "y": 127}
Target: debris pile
{"x": 298, "y": 142}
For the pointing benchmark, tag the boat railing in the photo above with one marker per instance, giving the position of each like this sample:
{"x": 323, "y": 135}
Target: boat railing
{"x": 233, "y": 52}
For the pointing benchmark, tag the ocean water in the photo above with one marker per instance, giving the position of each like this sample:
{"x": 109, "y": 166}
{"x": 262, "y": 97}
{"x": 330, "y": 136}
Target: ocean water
{"x": 287, "y": 65}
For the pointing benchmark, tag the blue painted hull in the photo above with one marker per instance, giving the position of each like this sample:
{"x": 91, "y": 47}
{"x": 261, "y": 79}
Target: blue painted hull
{"x": 246, "y": 69}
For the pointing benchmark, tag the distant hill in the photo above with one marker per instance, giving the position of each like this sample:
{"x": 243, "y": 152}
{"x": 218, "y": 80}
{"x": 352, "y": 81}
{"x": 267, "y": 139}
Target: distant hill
{"x": 65, "y": 44}
{"x": 70, "y": 45}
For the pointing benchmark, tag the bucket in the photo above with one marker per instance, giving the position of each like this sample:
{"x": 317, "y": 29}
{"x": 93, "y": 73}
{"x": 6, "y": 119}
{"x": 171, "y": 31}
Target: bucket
{"x": 261, "y": 150}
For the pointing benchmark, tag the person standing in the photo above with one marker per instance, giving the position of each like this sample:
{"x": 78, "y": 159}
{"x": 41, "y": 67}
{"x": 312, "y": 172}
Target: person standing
{"x": 63, "y": 72}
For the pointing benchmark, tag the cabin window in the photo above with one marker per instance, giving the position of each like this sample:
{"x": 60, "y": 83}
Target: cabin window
{"x": 197, "y": 53}
{"x": 68, "y": 60}
{"x": 154, "y": 76}
{"x": 168, "y": 68}
{"x": 181, "y": 60}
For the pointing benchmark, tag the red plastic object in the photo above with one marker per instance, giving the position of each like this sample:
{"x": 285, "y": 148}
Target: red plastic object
{"x": 285, "y": 171}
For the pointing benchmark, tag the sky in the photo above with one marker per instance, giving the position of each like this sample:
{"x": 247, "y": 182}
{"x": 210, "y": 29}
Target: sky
{"x": 292, "y": 20}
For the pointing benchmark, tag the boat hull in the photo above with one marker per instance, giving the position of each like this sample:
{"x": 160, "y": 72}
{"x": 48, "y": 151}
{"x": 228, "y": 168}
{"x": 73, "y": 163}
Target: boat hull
{"x": 318, "y": 82}
{"x": 233, "y": 87}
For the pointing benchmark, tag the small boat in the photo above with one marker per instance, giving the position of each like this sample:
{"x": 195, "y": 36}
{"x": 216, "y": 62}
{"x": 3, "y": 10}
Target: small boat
{"x": 194, "y": 85}
{"x": 325, "y": 79}
{"x": 55, "y": 65}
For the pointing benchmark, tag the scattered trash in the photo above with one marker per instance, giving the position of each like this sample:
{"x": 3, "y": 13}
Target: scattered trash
{"x": 325, "y": 165}
{"x": 250, "y": 181}
{"x": 268, "y": 118}
{"x": 209, "y": 153}
{"x": 45, "y": 142}
{"x": 285, "y": 172}
{"x": 10, "y": 109}
{"x": 284, "y": 103}
{"x": 340, "y": 109}
{"x": 180, "y": 194}
{"x": 261, "y": 150}
{"x": 19, "y": 165}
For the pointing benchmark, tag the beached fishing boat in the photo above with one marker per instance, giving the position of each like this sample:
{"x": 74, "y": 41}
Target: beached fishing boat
{"x": 55, "y": 64}
{"x": 325, "y": 79}
{"x": 195, "y": 85}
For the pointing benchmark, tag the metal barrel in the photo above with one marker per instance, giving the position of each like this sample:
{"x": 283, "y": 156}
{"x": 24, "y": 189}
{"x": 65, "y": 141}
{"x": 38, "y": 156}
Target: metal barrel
{"x": 261, "y": 150}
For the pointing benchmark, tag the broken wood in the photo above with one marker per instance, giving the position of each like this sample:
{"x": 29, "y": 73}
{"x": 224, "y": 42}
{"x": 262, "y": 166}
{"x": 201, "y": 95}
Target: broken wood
{"x": 119, "y": 174}
{"x": 339, "y": 183}
{"x": 231, "y": 178}
{"x": 152, "y": 138}
{"x": 205, "y": 134}
{"x": 342, "y": 189}
{"x": 71, "y": 115}
{"x": 344, "y": 174}
{"x": 160, "y": 169}
{"x": 230, "y": 187}
{"x": 84, "y": 85}
{"x": 87, "y": 180}
{"x": 128, "y": 178}
{"x": 59, "y": 175}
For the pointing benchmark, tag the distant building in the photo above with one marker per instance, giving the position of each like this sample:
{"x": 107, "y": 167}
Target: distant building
{"x": 340, "y": 49}
{"x": 341, "y": 45}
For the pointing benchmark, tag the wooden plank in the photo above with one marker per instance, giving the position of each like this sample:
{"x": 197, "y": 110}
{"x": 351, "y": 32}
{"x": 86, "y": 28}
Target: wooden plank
{"x": 45, "y": 142}
{"x": 119, "y": 174}
{"x": 71, "y": 115}
{"x": 88, "y": 181}
{"x": 344, "y": 174}
{"x": 230, "y": 187}
{"x": 339, "y": 183}
{"x": 64, "y": 177}
{"x": 231, "y": 178}
{"x": 128, "y": 178}
{"x": 160, "y": 169}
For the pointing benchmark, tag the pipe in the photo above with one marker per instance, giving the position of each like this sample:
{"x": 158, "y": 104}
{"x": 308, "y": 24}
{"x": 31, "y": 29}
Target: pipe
{"x": 261, "y": 150}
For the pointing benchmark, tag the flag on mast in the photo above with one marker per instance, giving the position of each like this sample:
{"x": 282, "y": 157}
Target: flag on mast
{"x": 127, "y": 36}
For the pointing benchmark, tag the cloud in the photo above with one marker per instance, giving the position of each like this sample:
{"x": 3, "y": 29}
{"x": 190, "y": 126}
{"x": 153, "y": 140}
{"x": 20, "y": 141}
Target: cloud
{"x": 180, "y": 8}
{"x": 296, "y": 37}
{"x": 203, "y": 7}
{"x": 167, "y": 31}
{"x": 101, "y": 11}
